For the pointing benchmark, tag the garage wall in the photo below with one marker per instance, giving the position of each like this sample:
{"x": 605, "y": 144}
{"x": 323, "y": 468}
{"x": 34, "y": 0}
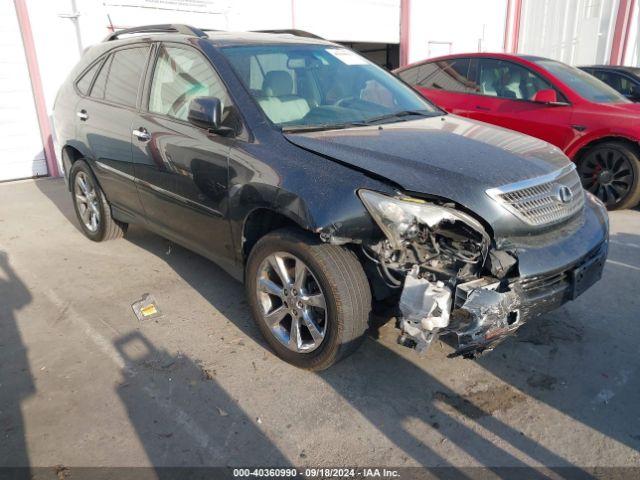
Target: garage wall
{"x": 21, "y": 152}
{"x": 578, "y": 32}
{"x": 375, "y": 21}
{"x": 459, "y": 26}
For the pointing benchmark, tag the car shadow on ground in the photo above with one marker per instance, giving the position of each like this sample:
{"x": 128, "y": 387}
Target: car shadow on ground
{"x": 392, "y": 392}
{"x": 388, "y": 390}
{"x": 184, "y": 418}
{"x": 16, "y": 381}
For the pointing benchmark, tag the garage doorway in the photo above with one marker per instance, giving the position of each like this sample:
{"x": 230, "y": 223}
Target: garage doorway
{"x": 386, "y": 55}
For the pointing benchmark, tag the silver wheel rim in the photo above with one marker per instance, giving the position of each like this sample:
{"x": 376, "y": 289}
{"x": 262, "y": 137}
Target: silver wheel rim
{"x": 292, "y": 303}
{"x": 87, "y": 202}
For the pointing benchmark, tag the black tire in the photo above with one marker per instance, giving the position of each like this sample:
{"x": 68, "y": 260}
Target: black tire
{"x": 341, "y": 279}
{"x": 611, "y": 171}
{"x": 107, "y": 228}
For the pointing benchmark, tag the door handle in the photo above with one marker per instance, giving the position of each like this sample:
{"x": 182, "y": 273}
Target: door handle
{"x": 142, "y": 134}
{"x": 83, "y": 115}
{"x": 484, "y": 109}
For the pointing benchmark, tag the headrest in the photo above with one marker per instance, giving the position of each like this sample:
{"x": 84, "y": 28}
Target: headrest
{"x": 277, "y": 83}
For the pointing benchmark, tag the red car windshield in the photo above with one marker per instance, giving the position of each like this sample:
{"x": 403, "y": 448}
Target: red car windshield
{"x": 584, "y": 84}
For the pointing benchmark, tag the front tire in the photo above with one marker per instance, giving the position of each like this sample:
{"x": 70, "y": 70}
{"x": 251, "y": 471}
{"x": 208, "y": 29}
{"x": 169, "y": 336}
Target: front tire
{"x": 611, "y": 171}
{"x": 310, "y": 300}
{"x": 91, "y": 205}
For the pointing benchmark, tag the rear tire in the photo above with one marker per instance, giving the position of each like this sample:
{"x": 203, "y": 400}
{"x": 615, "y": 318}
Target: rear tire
{"x": 91, "y": 205}
{"x": 611, "y": 171}
{"x": 333, "y": 272}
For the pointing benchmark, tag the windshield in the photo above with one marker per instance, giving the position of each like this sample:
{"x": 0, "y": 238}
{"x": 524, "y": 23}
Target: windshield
{"x": 584, "y": 84}
{"x": 323, "y": 86}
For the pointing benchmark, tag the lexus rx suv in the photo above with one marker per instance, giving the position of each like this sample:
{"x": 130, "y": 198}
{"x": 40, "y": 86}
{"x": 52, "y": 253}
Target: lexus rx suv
{"x": 327, "y": 186}
{"x": 597, "y": 127}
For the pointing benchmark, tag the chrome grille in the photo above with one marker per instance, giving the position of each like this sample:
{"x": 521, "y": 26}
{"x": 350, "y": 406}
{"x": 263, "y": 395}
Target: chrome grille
{"x": 545, "y": 200}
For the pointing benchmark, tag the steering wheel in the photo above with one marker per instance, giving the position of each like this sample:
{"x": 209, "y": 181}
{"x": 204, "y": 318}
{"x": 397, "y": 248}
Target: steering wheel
{"x": 346, "y": 102}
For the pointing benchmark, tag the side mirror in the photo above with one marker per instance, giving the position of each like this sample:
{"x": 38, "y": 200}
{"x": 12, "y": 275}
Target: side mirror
{"x": 635, "y": 93}
{"x": 205, "y": 112}
{"x": 548, "y": 95}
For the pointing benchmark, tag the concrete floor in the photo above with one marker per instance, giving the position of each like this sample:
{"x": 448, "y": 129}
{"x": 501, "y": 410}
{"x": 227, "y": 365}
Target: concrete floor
{"x": 84, "y": 383}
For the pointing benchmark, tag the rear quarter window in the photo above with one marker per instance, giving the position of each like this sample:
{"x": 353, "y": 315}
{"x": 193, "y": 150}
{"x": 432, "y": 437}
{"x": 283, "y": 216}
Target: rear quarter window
{"x": 84, "y": 82}
{"x": 97, "y": 91}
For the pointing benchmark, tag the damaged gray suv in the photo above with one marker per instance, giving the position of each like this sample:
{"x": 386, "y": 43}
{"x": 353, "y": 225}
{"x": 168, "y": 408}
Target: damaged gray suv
{"x": 328, "y": 186}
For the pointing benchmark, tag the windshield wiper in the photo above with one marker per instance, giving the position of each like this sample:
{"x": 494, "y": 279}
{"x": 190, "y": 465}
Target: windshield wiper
{"x": 315, "y": 128}
{"x": 357, "y": 123}
{"x": 400, "y": 114}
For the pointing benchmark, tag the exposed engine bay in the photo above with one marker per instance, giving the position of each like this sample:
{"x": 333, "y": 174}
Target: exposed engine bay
{"x": 453, "y": 280}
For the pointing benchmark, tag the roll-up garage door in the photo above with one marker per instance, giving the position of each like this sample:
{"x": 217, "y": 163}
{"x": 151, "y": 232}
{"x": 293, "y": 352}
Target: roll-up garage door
{"x": 21, "y": 154}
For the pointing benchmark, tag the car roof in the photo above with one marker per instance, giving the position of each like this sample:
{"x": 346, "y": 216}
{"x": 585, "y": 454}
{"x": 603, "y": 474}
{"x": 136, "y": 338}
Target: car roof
{"x": 224, "y": 39}
{"x": 221, "y": 38}
{"x": 502, "y": 56}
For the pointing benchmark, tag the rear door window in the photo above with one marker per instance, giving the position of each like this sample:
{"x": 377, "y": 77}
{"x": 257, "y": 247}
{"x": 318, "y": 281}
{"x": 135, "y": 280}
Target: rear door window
{"x": 450, "y": 75}
{"x": 125, "y": 74}
{"x": 410, "y": 75}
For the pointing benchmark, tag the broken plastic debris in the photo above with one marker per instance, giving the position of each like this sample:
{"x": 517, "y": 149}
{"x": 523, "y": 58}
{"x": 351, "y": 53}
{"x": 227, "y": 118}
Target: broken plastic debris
{"x": 146, "y": 308}
{"x": 425, "y": 308}
{"x": 424, "y": 302}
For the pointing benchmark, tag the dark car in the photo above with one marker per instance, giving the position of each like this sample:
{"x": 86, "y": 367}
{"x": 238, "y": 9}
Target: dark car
{"x": 625, "y": 80}
{"x": 596, "y": 127}
{"x": 328, "y": 186}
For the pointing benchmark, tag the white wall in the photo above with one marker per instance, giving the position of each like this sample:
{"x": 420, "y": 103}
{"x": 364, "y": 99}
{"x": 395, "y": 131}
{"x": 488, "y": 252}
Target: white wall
{"x": 456, "y": 26}
{"x": 376, "y": 21}
{"x": 21, "y": 153}
{"x": 59, "y": 42}
{"x": 577, "y": 32}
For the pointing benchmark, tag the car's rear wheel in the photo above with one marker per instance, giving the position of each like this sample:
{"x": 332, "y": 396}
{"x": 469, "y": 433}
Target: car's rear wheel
{"x": 611, "y": 172}
{"x": 310, "y": 300}
{"x": 91, "y": 206}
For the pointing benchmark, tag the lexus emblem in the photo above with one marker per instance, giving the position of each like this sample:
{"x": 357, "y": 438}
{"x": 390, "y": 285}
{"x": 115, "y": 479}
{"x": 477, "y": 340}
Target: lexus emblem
{"x": 561, "y": 194}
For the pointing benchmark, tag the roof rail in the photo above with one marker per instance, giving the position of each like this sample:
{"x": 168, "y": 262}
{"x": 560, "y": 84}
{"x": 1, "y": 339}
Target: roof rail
{"x": 297, "y": 33}
{"x": 164, "y": 28}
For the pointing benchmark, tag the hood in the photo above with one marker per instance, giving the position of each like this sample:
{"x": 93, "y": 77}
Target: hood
{"x": 447, "y": 156}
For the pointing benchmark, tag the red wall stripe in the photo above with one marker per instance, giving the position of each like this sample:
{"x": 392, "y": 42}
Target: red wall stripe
{"x": 405, "y": 7}
{"x": 512, "y": 26}
{"x": 621, "y": 31}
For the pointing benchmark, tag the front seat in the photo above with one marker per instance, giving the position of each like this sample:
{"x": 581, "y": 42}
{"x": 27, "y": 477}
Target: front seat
{"x": 278, "y": 101}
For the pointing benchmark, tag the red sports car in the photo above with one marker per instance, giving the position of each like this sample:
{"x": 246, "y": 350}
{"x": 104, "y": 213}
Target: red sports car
{"x": 593, "y": 124}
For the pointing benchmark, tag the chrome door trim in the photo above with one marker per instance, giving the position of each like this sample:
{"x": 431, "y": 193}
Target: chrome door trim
{"x": 109, "y": 168}
{"x": 185, "y": 201}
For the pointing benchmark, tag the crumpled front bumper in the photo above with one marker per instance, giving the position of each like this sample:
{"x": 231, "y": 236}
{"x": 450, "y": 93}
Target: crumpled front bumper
{"x": 495, "y": 316}
{"x": 485, "y": 311}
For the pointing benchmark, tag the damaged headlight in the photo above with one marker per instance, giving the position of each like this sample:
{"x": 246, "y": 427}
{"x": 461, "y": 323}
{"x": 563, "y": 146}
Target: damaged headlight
{"x": 399, "y": 218}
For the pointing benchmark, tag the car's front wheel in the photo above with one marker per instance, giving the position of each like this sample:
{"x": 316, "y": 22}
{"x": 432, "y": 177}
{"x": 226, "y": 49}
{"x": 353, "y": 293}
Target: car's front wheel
{"x": 310, "y": 300}
{"x": 91, "y": 206}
